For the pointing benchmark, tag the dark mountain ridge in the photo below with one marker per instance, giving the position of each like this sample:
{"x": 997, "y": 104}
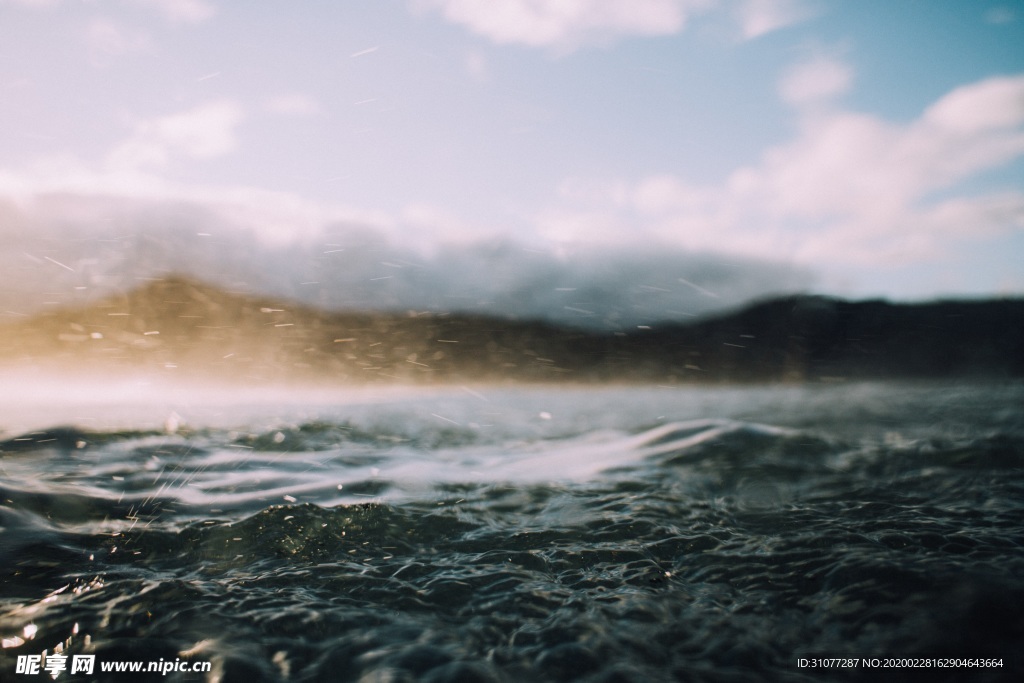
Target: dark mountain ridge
{"x": 178, "y": 326}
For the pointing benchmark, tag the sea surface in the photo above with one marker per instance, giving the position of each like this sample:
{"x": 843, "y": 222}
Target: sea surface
{"x": 477, "y": 533}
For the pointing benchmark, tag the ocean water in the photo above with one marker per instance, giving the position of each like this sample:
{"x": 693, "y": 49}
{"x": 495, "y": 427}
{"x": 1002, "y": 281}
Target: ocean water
{"x": 516, "y": 534}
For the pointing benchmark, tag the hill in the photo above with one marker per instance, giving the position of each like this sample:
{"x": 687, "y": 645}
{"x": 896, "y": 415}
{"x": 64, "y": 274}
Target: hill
{"x": 179, "y": 326}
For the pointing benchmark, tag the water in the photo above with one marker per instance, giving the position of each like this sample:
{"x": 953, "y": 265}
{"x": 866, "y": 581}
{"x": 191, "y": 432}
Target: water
{"x": 510, "y": 534}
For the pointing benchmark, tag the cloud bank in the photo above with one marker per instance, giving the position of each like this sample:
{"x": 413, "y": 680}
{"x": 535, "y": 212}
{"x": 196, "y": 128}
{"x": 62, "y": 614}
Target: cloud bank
{"x": 350, "y": 265}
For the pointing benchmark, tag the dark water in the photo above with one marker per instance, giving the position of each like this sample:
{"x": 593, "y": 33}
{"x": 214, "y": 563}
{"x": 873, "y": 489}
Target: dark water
{"x": 616, "y": 534}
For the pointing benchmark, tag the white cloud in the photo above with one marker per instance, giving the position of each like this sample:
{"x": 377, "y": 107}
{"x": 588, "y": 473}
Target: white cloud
{"x": 204, "y": 132}
{"x": 567, "y": 24}
{"x": 293, "y": 104}
{"x": 67, "y": 192}
{"x": 815, "y": 81}
{"x": 850, "y": 188}
{"x": 992, "y": 104}
{"x": 758, "y": 17}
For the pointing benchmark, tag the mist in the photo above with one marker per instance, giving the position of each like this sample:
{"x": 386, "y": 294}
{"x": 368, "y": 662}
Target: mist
{"x": 68, "y": 249}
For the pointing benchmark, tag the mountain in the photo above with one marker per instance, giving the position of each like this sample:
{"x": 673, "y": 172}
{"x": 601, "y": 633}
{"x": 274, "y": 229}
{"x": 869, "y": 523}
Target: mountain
{"x": 176, "y": 326}
{"x": 810, "y": 337}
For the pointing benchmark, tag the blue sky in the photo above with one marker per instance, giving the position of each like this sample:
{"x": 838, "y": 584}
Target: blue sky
{"x": 577, "y": 159}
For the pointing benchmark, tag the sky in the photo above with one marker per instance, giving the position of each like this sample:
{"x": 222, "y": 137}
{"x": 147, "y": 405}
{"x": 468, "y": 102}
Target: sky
{"x": 595, "y": 162}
